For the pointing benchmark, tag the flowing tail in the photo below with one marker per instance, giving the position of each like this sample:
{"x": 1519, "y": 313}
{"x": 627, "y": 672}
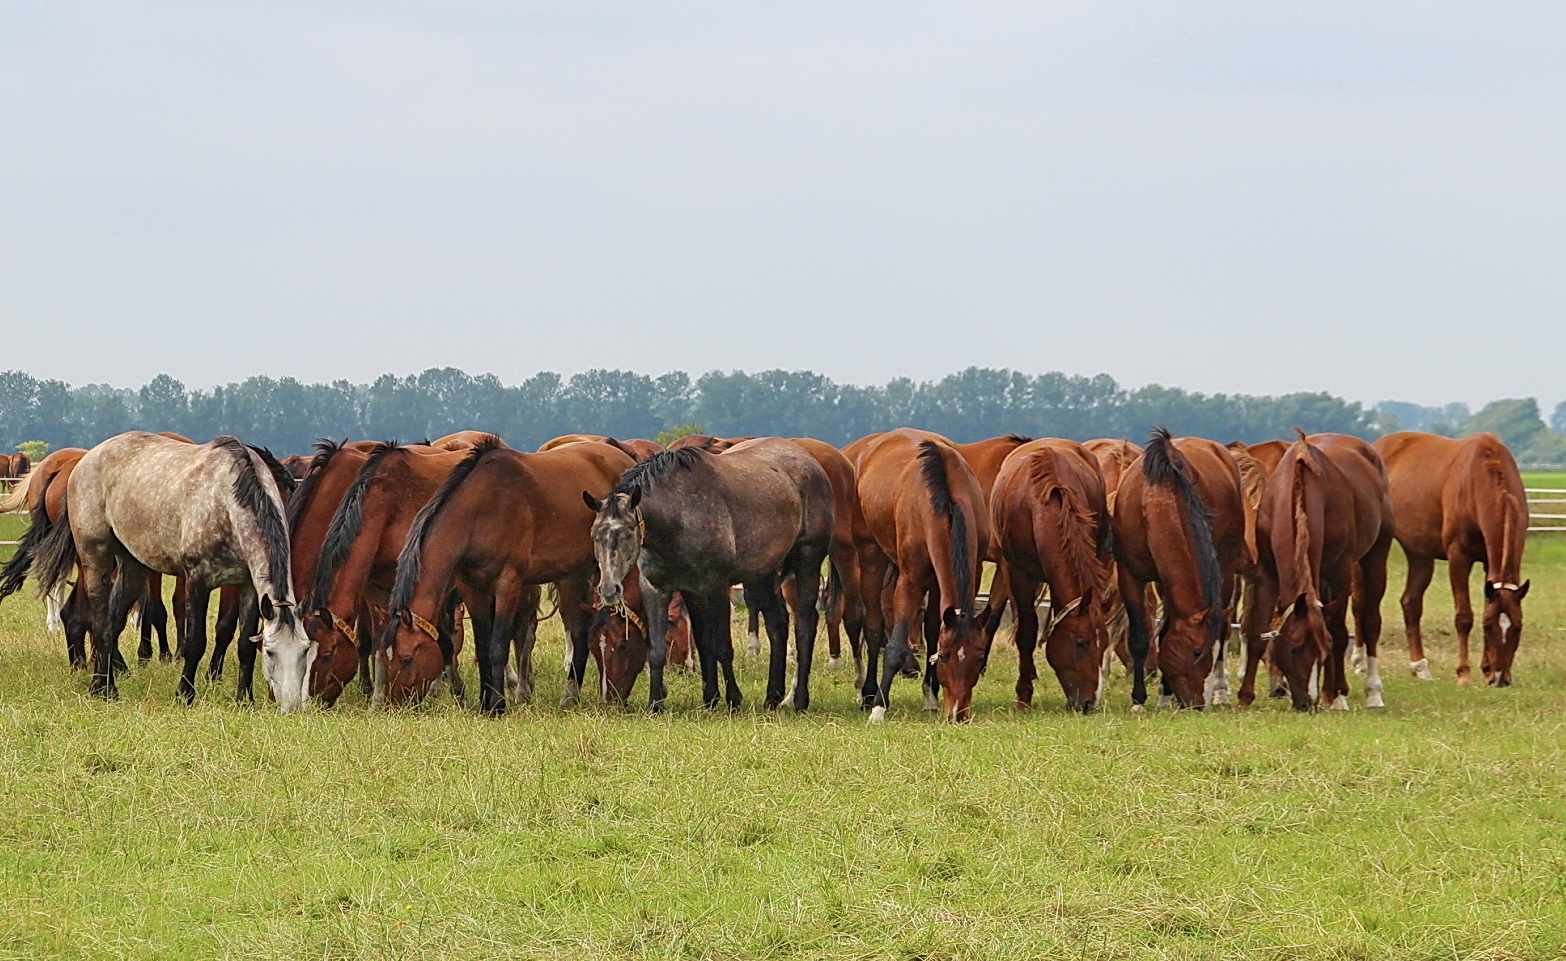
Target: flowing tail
{"x": 56, "y": 554}
{"x": 15, "y": 572}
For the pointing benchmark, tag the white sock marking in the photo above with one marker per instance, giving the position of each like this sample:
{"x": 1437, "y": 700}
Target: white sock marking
{"x": 1421, "y": 669}
{"x": 1373, "y": 684}
{"x": 878, "y": 715}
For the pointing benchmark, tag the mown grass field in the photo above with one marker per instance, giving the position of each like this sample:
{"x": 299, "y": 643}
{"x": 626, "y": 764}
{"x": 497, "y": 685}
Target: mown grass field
{"x": 1431, "y": 830}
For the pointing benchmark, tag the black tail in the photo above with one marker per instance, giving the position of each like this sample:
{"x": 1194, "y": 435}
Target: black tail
{"x": 55, "y": 555}
{"x": 1161, "y": 470}
{"x": 933, "y": 466}
{"x": 14, "y": 574}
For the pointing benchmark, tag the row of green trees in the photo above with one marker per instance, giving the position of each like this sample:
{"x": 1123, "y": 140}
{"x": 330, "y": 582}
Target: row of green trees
{"x": 1516, "y": 420}
{"x": 288, "y": 415}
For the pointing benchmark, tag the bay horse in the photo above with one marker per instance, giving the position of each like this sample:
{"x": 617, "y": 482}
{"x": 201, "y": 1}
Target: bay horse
{"x": 618, "y": 641}
{"x": 843, "y": 599}
{"x": 634, "y": 453}
{"x": 1323, "y": 534}
{"x": 1050, "y": 516}
{"x": 925, "y": 508}
{"x": 501, "y": 522}
{"x": 467, "y": 440}
{"x": 1269, "y": 452}
{"x": 1115, "y": 456}
{"x": 1179, "y": 524}
{"x": 985, "y": 458}
{"x": 1461, "y": 501}
{"x": 357, "y": 564}
{"x": 212, "y": 513}
{"x": 697, "y": 522}
{"x": 326, "y": 479}
{"x": 42, "y": 494}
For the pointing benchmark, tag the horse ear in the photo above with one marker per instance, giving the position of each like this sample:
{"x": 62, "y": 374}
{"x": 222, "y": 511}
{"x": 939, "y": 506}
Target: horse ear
{"x": 949, "y": 618}
{"x": 1489, "y": 590}
{"x": 593, "y": 504}
{"x": 265, "y": 607}
{"x": 636, "y": 498}
{"x": 1301, "y": 606}
{"x": 1522, "y": 592}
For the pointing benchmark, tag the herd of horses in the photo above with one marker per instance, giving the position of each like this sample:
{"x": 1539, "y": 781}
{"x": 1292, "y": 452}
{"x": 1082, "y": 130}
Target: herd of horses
{"x": 371, "y": 560}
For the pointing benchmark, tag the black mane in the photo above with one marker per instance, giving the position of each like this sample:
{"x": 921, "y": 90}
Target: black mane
{"x": 410, "y": 563}
{"x": 250, "y": 490}
{"x": 324, "y": 449}
{"x": 932, "y": 467}
{"x": 346, "y": 523}
{"x": 642, "y": 475}
{"x": 1161, "y": 469}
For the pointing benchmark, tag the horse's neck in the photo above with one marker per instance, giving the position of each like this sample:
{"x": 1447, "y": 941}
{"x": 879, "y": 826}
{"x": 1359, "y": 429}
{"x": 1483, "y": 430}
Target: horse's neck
{"x": 1503, "y": 523}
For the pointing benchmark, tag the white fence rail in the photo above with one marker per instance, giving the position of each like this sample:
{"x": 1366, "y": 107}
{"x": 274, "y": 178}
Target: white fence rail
{"x": 1552, "y": 518}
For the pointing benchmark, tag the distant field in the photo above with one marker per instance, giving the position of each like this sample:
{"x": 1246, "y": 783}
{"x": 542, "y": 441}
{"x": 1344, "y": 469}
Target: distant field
{"x": 1430, "y": 830}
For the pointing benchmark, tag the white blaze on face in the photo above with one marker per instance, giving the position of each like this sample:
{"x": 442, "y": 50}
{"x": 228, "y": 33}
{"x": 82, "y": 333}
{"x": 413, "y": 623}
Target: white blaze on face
{"x": 286, "y": 656}
{"x": 1312, "y": 691}
{"x": 1506, "y": 623}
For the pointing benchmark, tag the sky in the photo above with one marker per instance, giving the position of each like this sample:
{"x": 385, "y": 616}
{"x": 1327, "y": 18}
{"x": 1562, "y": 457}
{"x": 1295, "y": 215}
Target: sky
{"x": 1360, "y": 197}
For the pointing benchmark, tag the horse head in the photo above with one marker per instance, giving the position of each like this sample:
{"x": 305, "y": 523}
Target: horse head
{"x": 617, "y": 541}
{"x": 414, "y": 656}
{"x": 619, "y": 645}
{"x": 336, "y": 658}
{"x": 961, "y": 653}
{"x": 1074, "y": 642}
{"x": 1186, "y": 647}
{"x": 1301, "y": 644}
{"x": 1503, "y": 621}
{"x": 287, "y": 653}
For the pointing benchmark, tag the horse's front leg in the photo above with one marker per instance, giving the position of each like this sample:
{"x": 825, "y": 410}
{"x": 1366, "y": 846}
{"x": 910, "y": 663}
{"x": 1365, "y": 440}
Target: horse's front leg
{"x": 807, "y": 579}
{"x": 721, "y": 644}
{"x": 249, "y": 627}
{"x": 193, "y": 640}
{"x": 764, "y": 600}
{"x": 906, "y": 610}
{"x": 655, "y": 603}
{"x": 573, "y": 599}
{"x": 1133, "y": 594}
{"x": 230, "y": 613}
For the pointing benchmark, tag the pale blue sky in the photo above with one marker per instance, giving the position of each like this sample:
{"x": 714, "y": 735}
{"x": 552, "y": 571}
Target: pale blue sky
{"x": 1365, "y": 198}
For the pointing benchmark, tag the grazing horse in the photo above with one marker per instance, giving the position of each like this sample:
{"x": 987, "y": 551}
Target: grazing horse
{"x": 501, "y": 522}
{"x": 1323, "y": 534}
{"x": 1051, "y": 519}
{"x": 1115, "y": 456}
{"x": 297, "y": 466}
{"x": 1179, "y": 524}
{"x": 211, "y": 513}
{"x": 634, "y": 453}
{"x": 1460, "y": 501}
{"x": 42, "y": 494}
{"x": 357, "y": 565}
{"x": 1269, "y": 452}
{"x": 697, "y": 522}
{"x": 619, "y": 643}
{"x": 642, "y": 448}
{"x": 328, "y": 475}
{"x": 984, "y": 458}
{"x": 925, "y": 508}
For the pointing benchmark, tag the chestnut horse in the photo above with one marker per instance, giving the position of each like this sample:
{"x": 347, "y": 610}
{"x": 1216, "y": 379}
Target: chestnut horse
{"x": 42, "y": 494}
{"x": 925, "y": 508}
{"x": 1179, "y": 524}
{"x": 634, "y": 453}
{"x": 1323, "y": 534}
{"x": 467, "y": 440}
{"x": 327, "y": 477}
{"x": 619, "y": 644}
{"x": 1461, "y": 501}
{"x": 697, "y": 522}
{"x": 1115, "y": 455}
{"x": 502, "y": 521}
{"x": 357, "y": 565}
{"x": 1051, "y": 519}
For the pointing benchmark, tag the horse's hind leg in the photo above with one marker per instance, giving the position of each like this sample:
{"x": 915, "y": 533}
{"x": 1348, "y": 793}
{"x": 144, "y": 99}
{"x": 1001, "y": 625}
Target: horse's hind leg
{"x": 1133, "y": 594}
{"x": 721, "y": 645}
{"x": 762, "y": 596}
{"x": 76, "y": 618}
{"x": 95, "y": 583}
{"x": 230, "y": 610}
{"x": 123, "y": 595}
{"x": 807, "y": 578}
{"x": 54, "y": 620}
{"x": 154, "y": 619}
{"x": 909, "y": 593}
{"x": 1420, "y": 571}
{"x": 193, "y": 642}
{"x": 1372, "y": 584}
{"x": 250, "y": 626}
{"x": 1215, "y": 690}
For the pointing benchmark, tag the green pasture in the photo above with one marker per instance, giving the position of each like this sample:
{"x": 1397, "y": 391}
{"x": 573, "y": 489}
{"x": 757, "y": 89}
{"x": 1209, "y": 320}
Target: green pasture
{"x": 1433, "y": 829}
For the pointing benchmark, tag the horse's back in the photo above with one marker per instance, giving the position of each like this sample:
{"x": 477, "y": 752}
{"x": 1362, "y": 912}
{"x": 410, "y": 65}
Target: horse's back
{"x": 799, "y": 478}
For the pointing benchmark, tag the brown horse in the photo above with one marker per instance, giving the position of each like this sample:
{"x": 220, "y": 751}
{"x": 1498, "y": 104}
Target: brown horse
{"x": 1324, "y": 532}
{"x": 467, "y": 440}
{"x": 327, "y": 478}
{"x": 1115, "y": 456}
{"x": 1051, "y": 519}
{"x": 925, "y": 508}
{"x": 501, "y": 522}
{"x": 634, "y": 453}
{"x": 619, "y": 643}
{"x": 716, "y": 445}
{"x": 985, "y": 458}
{"x": 642, "y": 448}
{"x": 357, "y": 565}
{"x": 1269, "y": 452}
{"x": 1461, "y": 501}
{"x": 1179, "y": 524}
{"x": 42, "y": 494}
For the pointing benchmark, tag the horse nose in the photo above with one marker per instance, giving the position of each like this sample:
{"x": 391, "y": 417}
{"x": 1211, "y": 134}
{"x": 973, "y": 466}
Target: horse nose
{"x": 407, "y": 660}
{"x": 1087, "y": 706}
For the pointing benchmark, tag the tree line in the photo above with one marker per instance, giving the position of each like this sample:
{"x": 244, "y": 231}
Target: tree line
{"x": 288, "y": 415}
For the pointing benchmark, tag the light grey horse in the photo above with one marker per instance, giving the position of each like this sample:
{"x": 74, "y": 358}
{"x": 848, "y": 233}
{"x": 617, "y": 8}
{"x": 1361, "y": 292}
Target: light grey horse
{"x": 211, "y": 513}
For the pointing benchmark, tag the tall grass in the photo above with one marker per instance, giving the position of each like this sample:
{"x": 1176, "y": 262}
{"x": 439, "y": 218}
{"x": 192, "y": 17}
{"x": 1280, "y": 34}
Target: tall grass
{"x": 1430, "y": 830}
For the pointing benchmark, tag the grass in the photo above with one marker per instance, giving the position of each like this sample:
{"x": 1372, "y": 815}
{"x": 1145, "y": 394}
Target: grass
{"x": 1430, "y": 830}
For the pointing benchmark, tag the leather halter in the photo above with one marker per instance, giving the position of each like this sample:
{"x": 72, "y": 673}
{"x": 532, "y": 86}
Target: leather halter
{"x": 425, "y": 626}
{"x": 347, "y": 629}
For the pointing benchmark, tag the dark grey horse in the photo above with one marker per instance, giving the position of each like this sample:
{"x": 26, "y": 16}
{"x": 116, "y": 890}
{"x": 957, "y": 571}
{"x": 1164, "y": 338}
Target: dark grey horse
{"x": 698, "y": 522}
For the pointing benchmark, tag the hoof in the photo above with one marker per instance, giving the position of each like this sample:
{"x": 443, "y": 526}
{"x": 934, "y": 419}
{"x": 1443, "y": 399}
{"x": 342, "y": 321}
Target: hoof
{"x": 1421, "y": 669}
{"x": 1165, "y": 700}
{"x": 752, "y": 645}
{"x": 1022, "y": 705}
{"x": 1138, "y": 709}
{"x": 1373, "y": 699}
{"x": 931, "y": 702}
{"x": 835, "y": 663}
{"x": 878, "y": 715}
{"x": 1339, "y": 703}
{"x": 1463, "y": 680}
